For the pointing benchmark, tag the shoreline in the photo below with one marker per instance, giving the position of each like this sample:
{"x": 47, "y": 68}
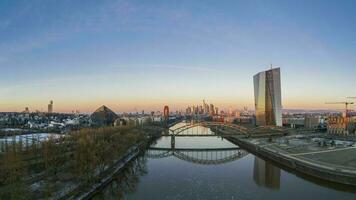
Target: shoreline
{"x": 115, "y": 169}
{"x": 302, "y": 166}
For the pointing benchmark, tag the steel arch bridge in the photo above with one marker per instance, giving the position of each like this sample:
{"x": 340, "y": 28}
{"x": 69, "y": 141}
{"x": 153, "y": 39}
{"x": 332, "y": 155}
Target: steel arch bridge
{"x": 179, "y": 130}
{"x": 198, "y": 156}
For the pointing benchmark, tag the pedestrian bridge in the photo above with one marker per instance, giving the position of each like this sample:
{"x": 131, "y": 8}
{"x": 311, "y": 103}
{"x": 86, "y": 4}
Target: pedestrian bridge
{"x": 203, "y": 156}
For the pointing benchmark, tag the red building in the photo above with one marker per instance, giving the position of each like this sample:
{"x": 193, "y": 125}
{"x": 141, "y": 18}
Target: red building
{"x": 166, "y": 112}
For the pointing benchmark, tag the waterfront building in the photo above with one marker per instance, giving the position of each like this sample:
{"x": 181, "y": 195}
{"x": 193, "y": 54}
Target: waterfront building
{"x": 50, "y": 107}
{"x": 268, "y": 101}
{"x": 294, "y": 122}
{"x": 312, "y": 122}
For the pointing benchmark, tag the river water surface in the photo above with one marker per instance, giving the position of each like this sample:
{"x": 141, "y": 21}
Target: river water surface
{"x": 213, "y": 168}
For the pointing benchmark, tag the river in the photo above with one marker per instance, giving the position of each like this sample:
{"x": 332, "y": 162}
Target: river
{"x": 213, "y": 168}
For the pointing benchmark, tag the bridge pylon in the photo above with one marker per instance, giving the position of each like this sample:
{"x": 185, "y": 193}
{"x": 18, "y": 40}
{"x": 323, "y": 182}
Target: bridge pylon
{"x": 173, "y": 141}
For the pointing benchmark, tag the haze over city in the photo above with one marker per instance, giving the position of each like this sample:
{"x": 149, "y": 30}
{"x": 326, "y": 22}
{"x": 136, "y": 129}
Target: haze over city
{"x": 139, "y": 55}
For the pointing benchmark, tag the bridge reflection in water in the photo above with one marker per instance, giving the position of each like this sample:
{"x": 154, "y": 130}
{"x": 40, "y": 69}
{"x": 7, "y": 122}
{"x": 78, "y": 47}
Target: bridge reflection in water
{"x": 204, "y": 156}
{"x": 199, "y": 156}
{"x": 203, "y": 175}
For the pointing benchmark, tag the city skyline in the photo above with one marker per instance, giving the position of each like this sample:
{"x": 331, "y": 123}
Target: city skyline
{"x": 129, "y": 55}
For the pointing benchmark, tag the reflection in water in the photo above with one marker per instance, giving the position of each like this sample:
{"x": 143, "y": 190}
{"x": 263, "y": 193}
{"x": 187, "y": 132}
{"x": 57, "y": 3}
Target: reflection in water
{"x": 198, "y": 156}
{"x": 126, "y": 181}
{"x": 164, "y": 173}
{"x": 266, "y": 174}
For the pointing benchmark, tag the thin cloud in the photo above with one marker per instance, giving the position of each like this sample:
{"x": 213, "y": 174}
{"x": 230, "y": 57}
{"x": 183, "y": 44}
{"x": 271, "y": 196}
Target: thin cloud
{"x": 180, "y": 67}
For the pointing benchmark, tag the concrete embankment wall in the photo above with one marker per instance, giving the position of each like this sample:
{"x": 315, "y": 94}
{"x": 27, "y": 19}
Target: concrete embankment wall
{"x": 310, "y": 168}
{"x": 119, "y": 166}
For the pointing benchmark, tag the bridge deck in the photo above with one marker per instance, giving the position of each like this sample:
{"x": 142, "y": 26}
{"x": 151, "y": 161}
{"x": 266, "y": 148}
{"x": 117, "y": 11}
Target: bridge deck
{"x": 194, "y": 149}
{"x": 211, "y": 124}
{"x": 200, "y": 135}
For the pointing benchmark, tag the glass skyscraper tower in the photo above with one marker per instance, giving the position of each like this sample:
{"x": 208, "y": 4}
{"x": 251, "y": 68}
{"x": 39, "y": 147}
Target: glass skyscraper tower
{"x": 268, "y": 101}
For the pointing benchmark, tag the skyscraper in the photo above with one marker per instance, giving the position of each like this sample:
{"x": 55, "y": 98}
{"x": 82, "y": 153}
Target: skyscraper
{"x": 212, "y": 109}
{"x": 205, "y": 107}
{"x": 268, "y": 101}
{"x": 26, "y": 110}
{"x": 50, "y": 107}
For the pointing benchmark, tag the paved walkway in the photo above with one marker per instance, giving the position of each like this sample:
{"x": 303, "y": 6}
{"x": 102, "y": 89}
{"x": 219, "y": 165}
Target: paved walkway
{"x": 324, "y": 151}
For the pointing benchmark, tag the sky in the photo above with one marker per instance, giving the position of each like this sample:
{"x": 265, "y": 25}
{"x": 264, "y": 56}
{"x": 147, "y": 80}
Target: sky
{"x": 142, "y": 55}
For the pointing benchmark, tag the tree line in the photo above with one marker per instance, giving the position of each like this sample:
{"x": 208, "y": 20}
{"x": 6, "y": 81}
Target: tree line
{"x": 44, "y": 169}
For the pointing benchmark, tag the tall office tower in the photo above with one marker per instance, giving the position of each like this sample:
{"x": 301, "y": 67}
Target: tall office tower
{"x": 205, "y": 110}
{"x": 230, "y": 112}
{"x": 268, "y": 103}
{"x": 212, "y": 109}
{"x": 201, "y": 110}
{"x": 50, "y": 107}
{"x": 188, "y": 111}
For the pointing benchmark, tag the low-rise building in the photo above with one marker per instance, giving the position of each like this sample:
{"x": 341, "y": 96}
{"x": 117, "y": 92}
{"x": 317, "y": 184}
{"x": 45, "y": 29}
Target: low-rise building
{"x": 340, "y": 125}
{"x": 294, "y": 122}
{"x": 311, "y": 122}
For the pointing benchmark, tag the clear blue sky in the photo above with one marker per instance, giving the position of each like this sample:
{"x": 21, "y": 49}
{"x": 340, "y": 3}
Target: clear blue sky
{"x": 144, "y": 54}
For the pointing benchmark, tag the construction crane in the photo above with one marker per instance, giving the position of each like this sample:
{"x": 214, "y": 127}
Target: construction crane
{"x": 346, "y": 104}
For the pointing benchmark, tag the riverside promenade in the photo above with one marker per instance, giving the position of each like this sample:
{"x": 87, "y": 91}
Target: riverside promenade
{"x": 331, "y": 160}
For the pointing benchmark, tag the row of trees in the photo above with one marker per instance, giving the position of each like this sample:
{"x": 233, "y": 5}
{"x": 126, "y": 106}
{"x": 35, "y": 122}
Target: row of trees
{"x": 44, "y": 168}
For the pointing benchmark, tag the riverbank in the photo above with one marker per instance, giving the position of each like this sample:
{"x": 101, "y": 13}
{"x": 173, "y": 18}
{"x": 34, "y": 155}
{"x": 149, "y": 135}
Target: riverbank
{"x": 65, "y": 167}
{"x": 183, "y": 171}
{"x": 335, "y": 164}
{"x": 80, "y": 193}
{"x": 84, "y": 193}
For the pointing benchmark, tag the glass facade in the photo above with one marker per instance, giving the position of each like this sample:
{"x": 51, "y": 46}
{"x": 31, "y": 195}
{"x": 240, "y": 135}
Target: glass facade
{"x": 268, "y": 103}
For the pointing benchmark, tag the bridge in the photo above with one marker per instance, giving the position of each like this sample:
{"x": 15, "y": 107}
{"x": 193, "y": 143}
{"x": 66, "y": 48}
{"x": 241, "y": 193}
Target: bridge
{"x": 202, "y": 156}
{"x": 181, "y": 131}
